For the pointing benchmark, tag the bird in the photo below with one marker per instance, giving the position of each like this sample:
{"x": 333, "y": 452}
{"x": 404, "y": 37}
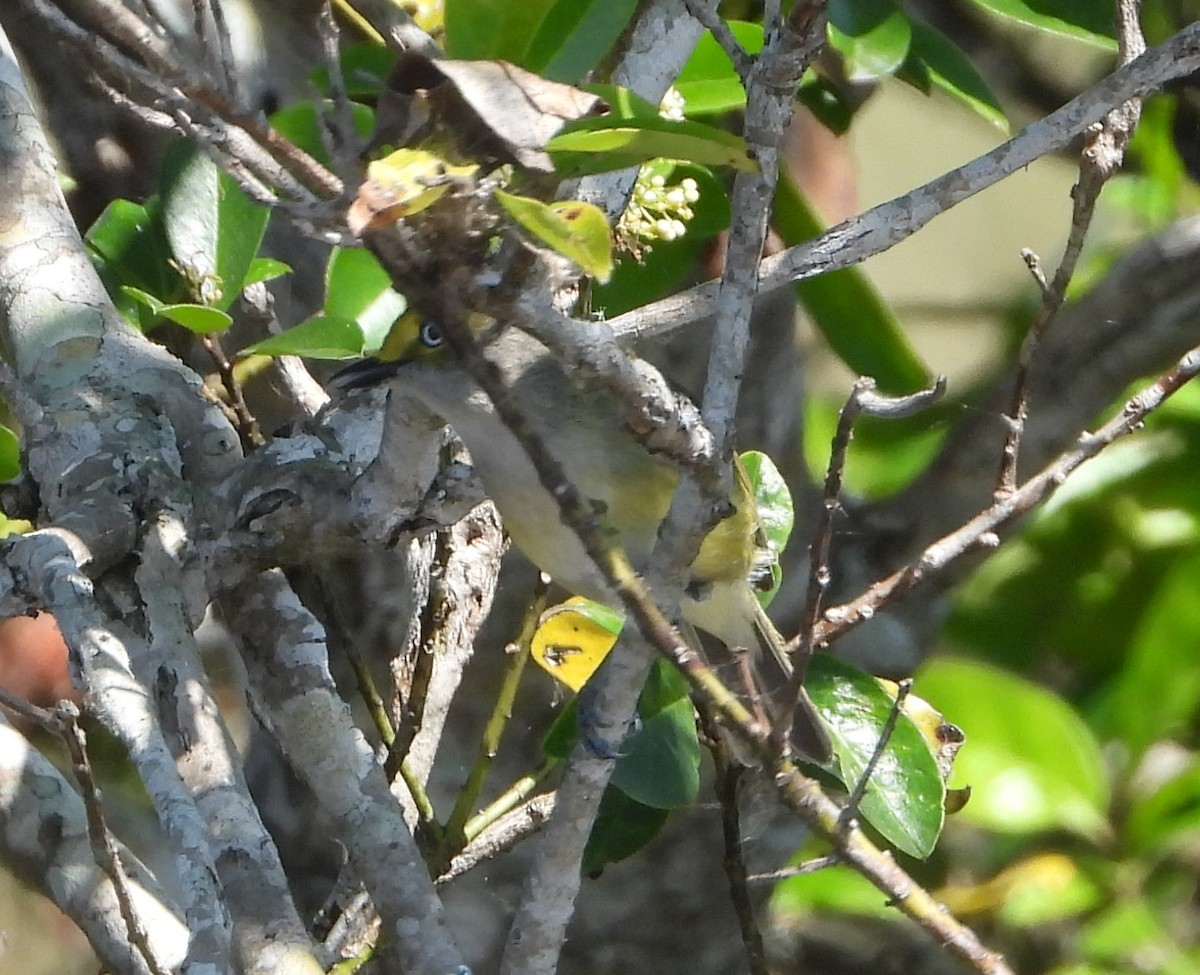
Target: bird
{"x": 580, "y": 425}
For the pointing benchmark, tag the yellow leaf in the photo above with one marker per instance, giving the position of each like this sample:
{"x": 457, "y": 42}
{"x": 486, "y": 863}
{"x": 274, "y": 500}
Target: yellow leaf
{"x": 397, "y": 186}
{"x": 573, "y": 638}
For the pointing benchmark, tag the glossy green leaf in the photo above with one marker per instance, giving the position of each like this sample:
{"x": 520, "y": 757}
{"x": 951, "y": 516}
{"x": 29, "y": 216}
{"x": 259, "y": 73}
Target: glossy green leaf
{"x": 357, "y": 289}
{"x": 578, "y": 231}
{"x": 665, "y": 686}
{"x": 481, "y": 29}
{"x": 660, "y": 764}
{"x": 665, "y": 264}
{"x": 575, "y": 35}
{"x": 10, "y": 454}
{"x": 771, "y": 496}
{"x": 776, "y": 512}
{"x": 845, "y": 307}
{"x": 872, "y": 36}
{"x": 904, "y": 801}
{"x": 1031, "y": 762}
{"x": 1084, "y": 20}
{"x": 320, "y": 337}
{"x": 708, "y": 82}
{"x": 200, "y": 319}
{"x": 934, "y": 60}
{"x": 632, "y": 141}
{"x": 298, "y": 123}
{"x": 622, "y": 827}
{"x": 265, "y": 269}
{"x": 212, "y": 227}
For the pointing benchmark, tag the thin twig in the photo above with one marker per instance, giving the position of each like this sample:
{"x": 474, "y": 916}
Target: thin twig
{"x": 501, "y": 835}
{"x": 727, "y": 781}
{"x": 854, "y": 800}
{"x": 798, "y": 870}
{"x": 1101, "y": 158}
{"x": 982, "y": 531}
{"x": 339, "y": 123}
{"x": 247, "y": 425}
{"x": 863, "y": 398}
{"x": 63, "y": 721}
{"x": 104, "y": 847}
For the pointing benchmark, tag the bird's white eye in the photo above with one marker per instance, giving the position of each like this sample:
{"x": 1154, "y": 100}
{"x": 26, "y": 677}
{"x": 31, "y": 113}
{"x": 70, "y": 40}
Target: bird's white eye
{"x": 431, "y": 335}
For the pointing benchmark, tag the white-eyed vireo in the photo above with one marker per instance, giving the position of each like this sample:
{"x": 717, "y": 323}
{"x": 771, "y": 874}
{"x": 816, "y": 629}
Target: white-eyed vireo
{"x": 581, "y": 426}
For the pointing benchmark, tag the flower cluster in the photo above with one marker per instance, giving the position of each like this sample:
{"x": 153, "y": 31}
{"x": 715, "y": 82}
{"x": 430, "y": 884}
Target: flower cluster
{"x": 656, "y": 211}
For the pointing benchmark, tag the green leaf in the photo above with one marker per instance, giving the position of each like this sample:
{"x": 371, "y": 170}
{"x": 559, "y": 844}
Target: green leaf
{"x": 357, "y": 289}
{"x": 578, "y": 231}
{"x": 776, "y": 512}
{"x": 298, "y": 123}
{"x": 849, "y": 312}
{"x": 265, "y": 269}
{"x": 631, "y": 141}
{"x": 872, "y": 37}
{"x": 623, "y": 826}
{"x": 771, "y": 496}
{"x": 663, "y": 266}
{"x": 212, "y": 227}
{"x": 10, "y": 454}
{"x": 481, "y": 29}
{"x": 320, "y": 337}
{"x": 1031, "y": 762}
{"x": 933, "y": 59}
{"x": 200, "y": 319}
{"x": 664, "y": 687}
{"x": 129, "y": 247}
{"x": 575, "y": 35}
{"x": 1084, "y": 20}
{"x": 708, "y": 82}
{"x": 904, "y": 800}
{"x": 660, "y": 764}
